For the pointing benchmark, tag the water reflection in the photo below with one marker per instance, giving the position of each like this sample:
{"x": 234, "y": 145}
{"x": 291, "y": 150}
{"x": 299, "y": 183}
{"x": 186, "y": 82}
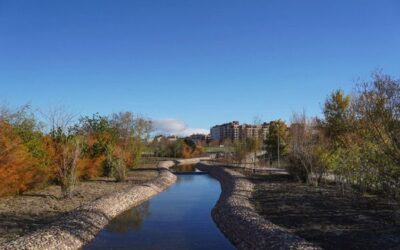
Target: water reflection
{"x": 184, "y": 168}
{"x": 188, "y": 178}
{"x": 178, "y": 218}
{"x": 131, "y": 219}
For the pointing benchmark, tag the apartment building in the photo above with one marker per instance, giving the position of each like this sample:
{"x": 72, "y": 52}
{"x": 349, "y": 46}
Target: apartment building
{"x": 199, "y": 138}
{"x": 225, "y": 131}
{"x": 233, "y": 131}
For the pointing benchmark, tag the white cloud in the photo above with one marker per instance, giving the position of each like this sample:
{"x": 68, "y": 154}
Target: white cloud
{"x": 175, "y": 127}
{"x": 190, "y": 131}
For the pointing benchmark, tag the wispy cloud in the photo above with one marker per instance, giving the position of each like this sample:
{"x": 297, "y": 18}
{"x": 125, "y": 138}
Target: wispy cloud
{"x": 175, "y": 127}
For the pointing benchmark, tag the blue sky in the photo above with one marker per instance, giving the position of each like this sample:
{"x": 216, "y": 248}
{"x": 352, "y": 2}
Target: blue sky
{"x": 198, "y": 62}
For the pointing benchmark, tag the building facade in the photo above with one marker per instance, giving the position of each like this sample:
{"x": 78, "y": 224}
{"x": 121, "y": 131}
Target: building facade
{"x": 233, "y": 131}
{"x": 198, "y": 138}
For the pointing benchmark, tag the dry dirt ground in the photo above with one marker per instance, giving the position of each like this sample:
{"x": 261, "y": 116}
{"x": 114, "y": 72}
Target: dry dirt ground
{"x": 25, "y": 213}
{"x": 326, "y": 217}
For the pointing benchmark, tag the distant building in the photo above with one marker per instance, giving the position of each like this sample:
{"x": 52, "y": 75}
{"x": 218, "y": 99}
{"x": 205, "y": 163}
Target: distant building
{"x": 254, "y": 131}
{"x": 215, "y": 133}
{"x": 172, "y": 138}
{"x": 158, "y": 138}
{"x": 198, "y": 138}
{"x": 233, "y": 131}
{"x": 225, "y": 131}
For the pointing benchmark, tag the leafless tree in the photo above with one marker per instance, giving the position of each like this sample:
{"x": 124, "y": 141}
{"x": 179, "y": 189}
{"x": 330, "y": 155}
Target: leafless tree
{"x": 65, "y": 148}
{"x": 67, "y": 154}
{"x": 58, "y": 118}
{"x": 304, "y": 139}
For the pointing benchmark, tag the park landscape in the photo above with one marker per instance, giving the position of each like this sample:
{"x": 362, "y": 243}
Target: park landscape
{"x": 212, "y": 125}
{"x": 337, "y": 185}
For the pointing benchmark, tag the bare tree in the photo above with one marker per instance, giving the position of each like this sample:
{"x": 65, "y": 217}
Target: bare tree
{"x": 304, "y": 140}
{"x": 64, "y": 147}
{"x": 257, "y": 142}
{"x": 58, "y": 118}
{"x": 66, "y": 154}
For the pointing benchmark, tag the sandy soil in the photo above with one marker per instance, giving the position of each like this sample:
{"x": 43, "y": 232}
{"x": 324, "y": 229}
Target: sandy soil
{"x": 326, "y": 217}
{"x": 23, "y": 214}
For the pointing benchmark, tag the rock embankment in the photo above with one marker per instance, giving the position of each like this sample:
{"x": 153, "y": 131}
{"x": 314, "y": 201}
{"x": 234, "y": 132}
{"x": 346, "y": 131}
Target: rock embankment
{"x": 238, "y": 220}
{"x": 81, "y": 225}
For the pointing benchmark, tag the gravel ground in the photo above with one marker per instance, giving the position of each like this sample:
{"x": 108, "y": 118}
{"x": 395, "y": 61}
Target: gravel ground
{"x": 23, "y": 214}
{"x": 238, "y": 219}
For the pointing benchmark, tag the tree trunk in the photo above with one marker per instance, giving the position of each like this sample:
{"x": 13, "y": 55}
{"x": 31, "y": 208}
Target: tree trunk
{"x": 66, "y": 190}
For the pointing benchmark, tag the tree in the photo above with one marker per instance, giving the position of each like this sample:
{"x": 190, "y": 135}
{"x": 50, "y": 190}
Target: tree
{"x": 244, "y": 148}
{"x": 186, "y": 150}
{"x": 364, "y": 136}
{"x": 306, "y": 149}
{"x": 337, "y": 117}
{"x": 16, "y": 164}
{"x": 277, "y": 139}
{"x": 116, "y": 164}
{"x": 255, "y": 144}
{"x": 64, "y": 149}
{"x": 98, "y": 137}
{"x": 131, "y": 131}
{"x": 378, "y": 107}
{"x": 240, "y": 151}
{"x": 29, "y": 130}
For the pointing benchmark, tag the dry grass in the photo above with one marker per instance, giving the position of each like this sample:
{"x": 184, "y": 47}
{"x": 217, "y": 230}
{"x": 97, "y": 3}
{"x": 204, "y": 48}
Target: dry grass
{"x": 325, "y": 217}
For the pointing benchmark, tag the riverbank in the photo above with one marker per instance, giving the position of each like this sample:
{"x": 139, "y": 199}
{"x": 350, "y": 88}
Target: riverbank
{"x": 23, "y": 214}
{"x": 69, "y": 224}
{"x": 322, "y": 216}
{"x": 238, "y": 219}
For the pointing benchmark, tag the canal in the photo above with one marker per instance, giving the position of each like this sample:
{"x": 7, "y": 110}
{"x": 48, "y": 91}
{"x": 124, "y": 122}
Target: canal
{"x": 178, "y": 218}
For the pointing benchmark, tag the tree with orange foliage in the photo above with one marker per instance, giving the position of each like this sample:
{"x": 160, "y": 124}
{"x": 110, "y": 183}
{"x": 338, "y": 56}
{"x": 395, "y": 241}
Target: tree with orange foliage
{"x": 89, "y": 168}
{"x": 16, "y": 164}
{"x": 186, "y": 151}
{"x": 29, "y": 130}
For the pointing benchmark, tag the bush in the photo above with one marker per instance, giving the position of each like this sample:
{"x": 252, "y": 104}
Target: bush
{"x": 296, "y": 170}
{"x": 89, "y": 168}
{"x": 25, "y": 131}
{"x": 17, "y": 170}
{"x": 118, "y": 169}
{"x": 64, "y": 150}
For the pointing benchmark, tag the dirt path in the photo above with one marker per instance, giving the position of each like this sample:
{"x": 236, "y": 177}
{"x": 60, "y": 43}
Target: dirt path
{"x": 23, "y": 214}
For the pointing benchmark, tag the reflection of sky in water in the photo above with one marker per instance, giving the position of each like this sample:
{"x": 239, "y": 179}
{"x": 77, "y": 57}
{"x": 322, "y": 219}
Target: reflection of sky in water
{"x": 179, "y": 218}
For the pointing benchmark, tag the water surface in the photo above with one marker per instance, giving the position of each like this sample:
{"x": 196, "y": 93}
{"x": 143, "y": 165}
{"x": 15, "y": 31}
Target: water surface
{"x": 186, "y": 169}
{"x": 178, "y": 218}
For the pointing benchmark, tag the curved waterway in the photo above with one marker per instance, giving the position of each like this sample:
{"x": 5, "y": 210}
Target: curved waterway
{"x": 178, "y": 218}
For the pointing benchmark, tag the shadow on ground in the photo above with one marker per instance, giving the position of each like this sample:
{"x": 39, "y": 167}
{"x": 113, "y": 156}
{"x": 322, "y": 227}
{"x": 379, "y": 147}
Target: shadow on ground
{"x": 325, "y": 217}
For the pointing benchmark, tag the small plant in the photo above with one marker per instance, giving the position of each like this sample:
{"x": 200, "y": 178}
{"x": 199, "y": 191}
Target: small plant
{"x": 116, "y": 166}
{"x": 118, "y": 170}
